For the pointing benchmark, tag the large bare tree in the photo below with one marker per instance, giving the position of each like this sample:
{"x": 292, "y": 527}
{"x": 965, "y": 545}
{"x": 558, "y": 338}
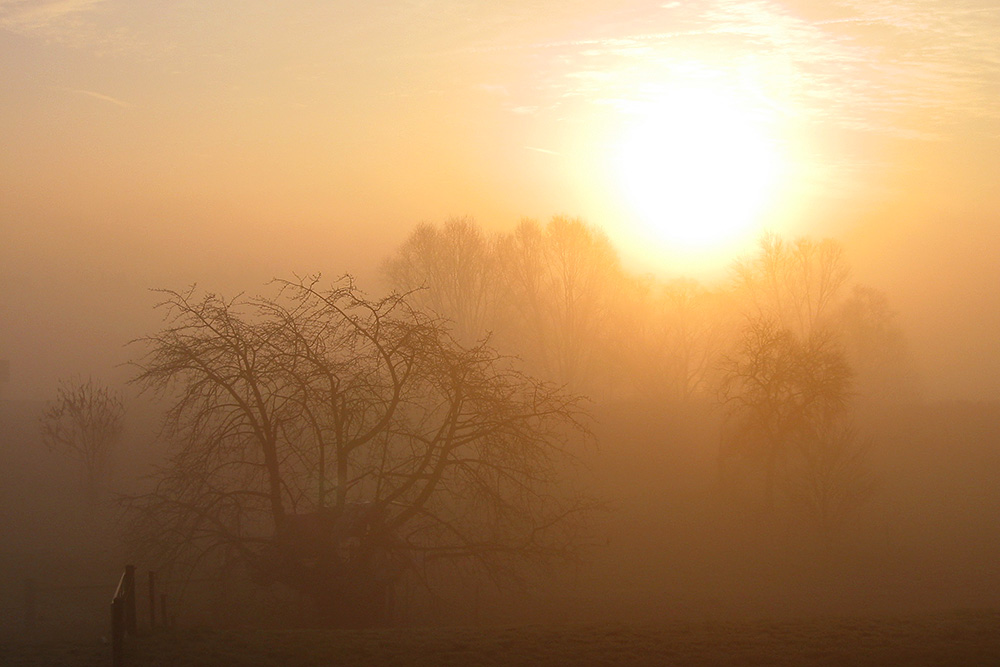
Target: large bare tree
{"x": 330, "y": 442}
{"x": 789, "y": 381}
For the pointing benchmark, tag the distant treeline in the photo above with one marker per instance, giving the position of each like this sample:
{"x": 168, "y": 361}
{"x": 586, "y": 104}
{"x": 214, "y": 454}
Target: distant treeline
{"x": 787, "y": 348}
{"x": 557, "y": 296}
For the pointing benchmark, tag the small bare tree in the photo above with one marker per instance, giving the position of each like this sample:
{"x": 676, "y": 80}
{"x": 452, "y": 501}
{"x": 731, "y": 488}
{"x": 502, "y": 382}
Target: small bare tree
{"x": 779, "y": 391}
{"x": 84, "y": 422}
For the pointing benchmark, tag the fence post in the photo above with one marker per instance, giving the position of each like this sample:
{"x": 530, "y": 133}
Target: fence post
{"x": 30, "y": 598}
{"x": 118, "y": 632}
{"x": 130, "y": 600}
{"x": 152, "y": 600}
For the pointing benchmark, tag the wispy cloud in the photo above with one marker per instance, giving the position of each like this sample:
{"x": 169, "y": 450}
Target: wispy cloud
{"x": 852, "y": 74}
{"x": 27, "y": 16}
{"x": 864, "y": 65}
{"x": 99, "y": 96}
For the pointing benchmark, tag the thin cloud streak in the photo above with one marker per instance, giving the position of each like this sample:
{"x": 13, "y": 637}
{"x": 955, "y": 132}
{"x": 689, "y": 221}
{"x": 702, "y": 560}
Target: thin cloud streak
{"x": 28, "y": 16}
{"x": 99, "y": 96}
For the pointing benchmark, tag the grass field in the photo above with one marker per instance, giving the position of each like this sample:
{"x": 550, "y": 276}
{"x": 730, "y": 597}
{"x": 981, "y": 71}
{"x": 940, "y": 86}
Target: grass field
{"x": 958, "y": 638}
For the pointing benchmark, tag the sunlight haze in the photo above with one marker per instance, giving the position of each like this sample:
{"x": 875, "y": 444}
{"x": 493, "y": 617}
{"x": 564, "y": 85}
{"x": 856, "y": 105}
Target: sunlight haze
{"x": 163, "y": 144}
{"x": 499, "y": 332}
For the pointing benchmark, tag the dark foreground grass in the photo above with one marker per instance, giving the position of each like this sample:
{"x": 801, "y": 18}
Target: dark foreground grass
{"x": 959, "y": 638}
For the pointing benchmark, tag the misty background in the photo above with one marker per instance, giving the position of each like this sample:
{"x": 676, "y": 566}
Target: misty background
{"x": 162, "y": 147}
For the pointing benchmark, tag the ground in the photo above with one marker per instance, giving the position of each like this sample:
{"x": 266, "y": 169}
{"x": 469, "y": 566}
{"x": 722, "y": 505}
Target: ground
{"x": 956, "y": 638}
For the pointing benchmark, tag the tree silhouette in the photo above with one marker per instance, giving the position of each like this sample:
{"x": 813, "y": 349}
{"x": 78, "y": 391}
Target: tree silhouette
{"x": 542, "y": 292}
{"x": 331, "y": 442}
{"x": 84, "y": 422}
{"x": 797, "y": 284}
{"x": 807, "y": 344}
{"x": 454, "y": 267}
{"x": 780, "y": 392}
{"x": 562, "y": 283}
{"x": 829, "y": 477}
{"x": 876, "y": 347}
{"x": 670, "y": 336}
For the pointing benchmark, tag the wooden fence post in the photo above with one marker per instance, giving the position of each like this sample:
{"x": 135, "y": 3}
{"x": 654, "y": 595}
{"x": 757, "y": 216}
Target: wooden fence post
{"x": 130, "y": 600}
{"x": 118, "y": 632}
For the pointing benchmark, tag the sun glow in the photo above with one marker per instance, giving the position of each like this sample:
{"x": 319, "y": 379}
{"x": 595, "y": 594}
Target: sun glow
{"x": 697, "y": 168}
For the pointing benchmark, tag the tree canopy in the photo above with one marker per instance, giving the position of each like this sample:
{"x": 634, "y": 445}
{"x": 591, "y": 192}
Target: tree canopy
{"x": 331, "y": 442}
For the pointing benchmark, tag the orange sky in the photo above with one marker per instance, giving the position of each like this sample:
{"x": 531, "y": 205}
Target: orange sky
{"x": 160, "y": 144}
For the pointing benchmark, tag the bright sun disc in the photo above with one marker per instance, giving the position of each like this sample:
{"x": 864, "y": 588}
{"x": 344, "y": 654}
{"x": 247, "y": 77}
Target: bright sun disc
{"x": 697, "y": 168}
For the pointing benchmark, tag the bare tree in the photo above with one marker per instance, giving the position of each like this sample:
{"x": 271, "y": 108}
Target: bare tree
{"x": 789, "y": 382}
{"x": 562, "y": 283}
{"x": 876, "y": 347}
{"x": 544, "y": 292}
{"x": 829, "y": 478}
{"x": 798, "y": 284}
{"x": 778, "y": 391}
{"x": 670, "y": 337}
{"x": 330, "y": 442}
{"x": 84, "y": 422}
{"x": 454, "y": 267}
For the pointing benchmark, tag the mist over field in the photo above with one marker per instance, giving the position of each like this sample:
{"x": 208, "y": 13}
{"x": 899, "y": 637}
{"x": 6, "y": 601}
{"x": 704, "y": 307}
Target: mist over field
{"x": 674, "y": 321}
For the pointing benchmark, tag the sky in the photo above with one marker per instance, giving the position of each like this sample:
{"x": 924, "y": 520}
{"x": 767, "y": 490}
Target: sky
{"x": 161, "y": 144}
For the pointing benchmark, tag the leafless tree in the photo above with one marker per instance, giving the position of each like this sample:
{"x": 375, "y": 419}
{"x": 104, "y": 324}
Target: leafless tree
{"x": 562, "y": 283}
{"x": 329, "y": 442}
{"x": 778, "y": 391}
{"x": 671, "y": 336}
{"x": 789, "y": 383}
{"x": 84, "y": 422}
{"x": 876, "y": 347}
{"x": 454, "y": 268}
{"x": 829, "y": 478}
{"x": 797, "y": 284}
{"x": 541, "y": 292}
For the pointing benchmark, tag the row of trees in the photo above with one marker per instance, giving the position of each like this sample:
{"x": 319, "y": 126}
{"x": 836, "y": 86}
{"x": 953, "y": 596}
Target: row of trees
{"x": 786, "y": 345}
{"x": 558, "y": 296}
{"x": 544, "y": 293}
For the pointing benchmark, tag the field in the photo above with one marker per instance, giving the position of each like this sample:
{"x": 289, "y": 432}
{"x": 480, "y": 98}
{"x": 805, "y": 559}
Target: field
{"x": 957, "y": 638}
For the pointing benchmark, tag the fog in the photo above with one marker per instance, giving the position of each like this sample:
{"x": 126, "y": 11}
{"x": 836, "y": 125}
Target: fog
{"x": 672, "y": 534}
{"x": 466, "y": 165}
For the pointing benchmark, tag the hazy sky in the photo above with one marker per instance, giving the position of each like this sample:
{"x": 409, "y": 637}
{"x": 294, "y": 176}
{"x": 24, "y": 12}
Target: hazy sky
{"x": 157, "y": 144}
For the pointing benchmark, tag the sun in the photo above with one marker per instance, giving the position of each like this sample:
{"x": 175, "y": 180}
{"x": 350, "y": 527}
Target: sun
{"x": 697, "y": 168}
